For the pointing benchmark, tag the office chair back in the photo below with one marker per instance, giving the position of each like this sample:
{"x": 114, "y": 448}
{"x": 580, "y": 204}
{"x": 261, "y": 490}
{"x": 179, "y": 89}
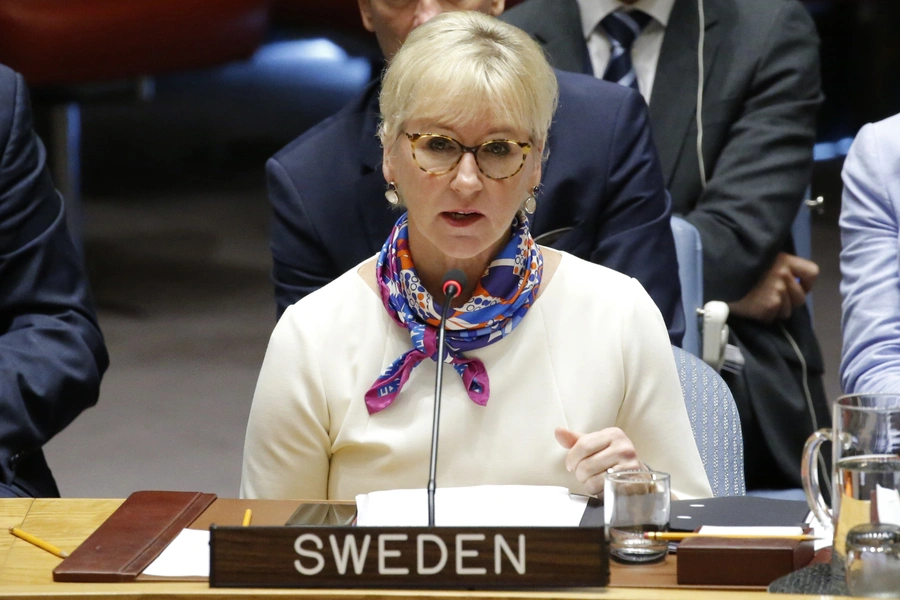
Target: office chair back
{"x": 715, "y": 423}
{"x": 689, "y": 252}
{"x": 801, "y": 233}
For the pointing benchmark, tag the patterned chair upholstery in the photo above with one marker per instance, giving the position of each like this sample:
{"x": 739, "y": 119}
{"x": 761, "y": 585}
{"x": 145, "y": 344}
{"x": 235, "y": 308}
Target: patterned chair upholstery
{"x": 715, "y": 423}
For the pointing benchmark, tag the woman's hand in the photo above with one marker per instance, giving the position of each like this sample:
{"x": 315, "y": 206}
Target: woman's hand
{"x": 591, "y": 454}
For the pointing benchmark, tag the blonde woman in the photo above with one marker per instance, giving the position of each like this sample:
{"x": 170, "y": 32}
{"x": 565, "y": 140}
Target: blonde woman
{"x": 561, "y": 369}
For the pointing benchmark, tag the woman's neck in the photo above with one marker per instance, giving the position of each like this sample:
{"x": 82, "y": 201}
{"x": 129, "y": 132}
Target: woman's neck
{"x": 552, "y": 259}
{"x": 432, "y": 265}
{"x": 433, "y": 280}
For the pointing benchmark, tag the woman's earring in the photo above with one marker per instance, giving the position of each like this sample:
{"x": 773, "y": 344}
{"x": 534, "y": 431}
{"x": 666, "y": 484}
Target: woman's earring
{"x": 391, "y": 194}
{"x": 531, "y": 202}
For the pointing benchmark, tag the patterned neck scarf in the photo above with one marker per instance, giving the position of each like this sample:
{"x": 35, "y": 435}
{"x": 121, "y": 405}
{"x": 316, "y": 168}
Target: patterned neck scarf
{"x": 503, "y": 295}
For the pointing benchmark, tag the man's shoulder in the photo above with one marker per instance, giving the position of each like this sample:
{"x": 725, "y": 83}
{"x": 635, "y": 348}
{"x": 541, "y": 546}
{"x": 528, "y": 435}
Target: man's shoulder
{"x": 331, "y": 140}
{"x": 526, "y": 12}
{"x": 590, "y": 104}
{"x": 761, "y": 17}
{"x": 533, "y": 13}
{"x": 766, "y": 9}
{"x": 578, "y": 87}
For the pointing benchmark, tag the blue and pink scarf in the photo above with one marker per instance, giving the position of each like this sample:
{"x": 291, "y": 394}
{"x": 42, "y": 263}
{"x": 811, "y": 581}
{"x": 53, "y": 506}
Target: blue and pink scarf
{"x": 503, "y": 295}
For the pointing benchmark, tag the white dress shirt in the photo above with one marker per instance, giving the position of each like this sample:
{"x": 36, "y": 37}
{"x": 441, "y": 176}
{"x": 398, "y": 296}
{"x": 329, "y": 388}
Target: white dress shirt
{"x": 644, "y": 53}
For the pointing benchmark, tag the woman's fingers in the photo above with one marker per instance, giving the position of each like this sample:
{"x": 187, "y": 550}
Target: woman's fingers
{"x": 587, "y": 445}
{"x": 619, "y": 455}
{"x": 565, "y": 437}
{"x": 591, "y": 455}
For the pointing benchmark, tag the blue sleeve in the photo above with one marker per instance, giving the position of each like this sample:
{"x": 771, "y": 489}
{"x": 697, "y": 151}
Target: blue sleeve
{"x": 52, "y": 354}
{"x": 301, "y": 263}
{"x": 870, "y": 281}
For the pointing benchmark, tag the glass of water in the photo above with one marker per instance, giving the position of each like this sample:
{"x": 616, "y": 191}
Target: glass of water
{"x": 873, "y": 560}
{"x": 636, "y": 503}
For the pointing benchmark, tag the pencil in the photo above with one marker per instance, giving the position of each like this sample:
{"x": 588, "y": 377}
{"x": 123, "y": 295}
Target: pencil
{"x": 37, "y": 542}
{"x": 672, "y": 536}
{"x": 248, "y": 514}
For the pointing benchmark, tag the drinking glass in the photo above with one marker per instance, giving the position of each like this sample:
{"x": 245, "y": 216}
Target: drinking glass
{"x": 635, "y": 503}
{"x": 873, "y": 560}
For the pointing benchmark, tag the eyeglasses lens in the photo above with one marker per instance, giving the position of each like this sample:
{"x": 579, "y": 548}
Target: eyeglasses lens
{"x": 498, "y": 159}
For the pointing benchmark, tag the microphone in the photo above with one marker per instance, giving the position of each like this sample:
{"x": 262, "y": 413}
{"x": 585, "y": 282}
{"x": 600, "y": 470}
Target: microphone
{"x": 454, "y": 281}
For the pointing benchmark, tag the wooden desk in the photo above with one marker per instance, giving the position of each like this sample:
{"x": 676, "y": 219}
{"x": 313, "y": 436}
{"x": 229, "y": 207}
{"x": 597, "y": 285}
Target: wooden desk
{"x": 26, "y": 571}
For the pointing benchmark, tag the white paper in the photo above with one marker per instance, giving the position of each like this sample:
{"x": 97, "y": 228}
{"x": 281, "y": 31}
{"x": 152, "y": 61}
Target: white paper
{"x": 186, "y": 556}
{"x": 825, "y": 532}
{"x": 888, "y": 502}
{"x": 479, "y": 506}
{"x": 760, "y": 531}
{"x": 482, "y": 506}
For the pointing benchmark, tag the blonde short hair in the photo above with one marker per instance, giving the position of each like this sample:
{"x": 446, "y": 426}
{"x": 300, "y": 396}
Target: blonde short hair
{"x": 463, "y": 62}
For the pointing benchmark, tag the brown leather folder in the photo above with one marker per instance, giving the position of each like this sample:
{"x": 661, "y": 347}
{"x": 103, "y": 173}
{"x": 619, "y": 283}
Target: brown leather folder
{"x": 133, "y": 536}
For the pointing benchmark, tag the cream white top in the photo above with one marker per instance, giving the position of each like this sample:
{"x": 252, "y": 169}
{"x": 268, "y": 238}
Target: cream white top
{"x": 592, "y": 352}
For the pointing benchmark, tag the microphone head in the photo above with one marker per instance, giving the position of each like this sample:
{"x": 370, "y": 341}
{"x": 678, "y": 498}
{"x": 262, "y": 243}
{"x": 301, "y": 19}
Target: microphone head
{"x": 456, "y": 278}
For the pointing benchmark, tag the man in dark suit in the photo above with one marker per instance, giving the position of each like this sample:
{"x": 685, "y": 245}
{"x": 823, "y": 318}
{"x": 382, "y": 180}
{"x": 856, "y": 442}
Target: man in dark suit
{"x": 52, "y": 354}
{"x": 761, "y": 91}
{"x": 602, "y": 194}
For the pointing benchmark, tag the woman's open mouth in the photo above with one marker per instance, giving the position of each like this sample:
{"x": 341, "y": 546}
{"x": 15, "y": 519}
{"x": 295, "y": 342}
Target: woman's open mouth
{"x": 461, "y": 218}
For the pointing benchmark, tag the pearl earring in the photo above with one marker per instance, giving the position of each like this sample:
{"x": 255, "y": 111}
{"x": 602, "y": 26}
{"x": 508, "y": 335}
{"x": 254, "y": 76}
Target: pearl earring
{"x": 391, "y": 194}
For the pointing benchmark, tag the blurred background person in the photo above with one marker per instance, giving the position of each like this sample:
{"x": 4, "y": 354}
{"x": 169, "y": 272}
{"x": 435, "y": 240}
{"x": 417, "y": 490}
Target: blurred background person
{"x": 52, "y": 353}
{"x": 602, "y": 197}
{"x": 539, "y": 338}
{"x": 759, "y": 95}
{"x": 870, "y": 261}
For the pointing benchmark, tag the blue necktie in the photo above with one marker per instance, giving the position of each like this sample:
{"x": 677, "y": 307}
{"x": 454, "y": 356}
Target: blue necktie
{"x": 622, "y": 28}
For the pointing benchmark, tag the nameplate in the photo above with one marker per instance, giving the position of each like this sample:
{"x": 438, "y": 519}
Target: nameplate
{"x": 408, "y": 557}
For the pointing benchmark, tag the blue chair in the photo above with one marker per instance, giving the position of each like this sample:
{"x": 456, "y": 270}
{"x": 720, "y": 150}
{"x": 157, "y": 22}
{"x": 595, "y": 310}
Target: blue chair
{"x": 801, "y": 233}
{"x": 689, "y": 251}
{"x": 715, "y": 423}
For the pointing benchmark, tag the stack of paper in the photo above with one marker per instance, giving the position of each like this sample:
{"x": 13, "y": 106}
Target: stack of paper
{"x": 186, "y": 556}
{"x": 479, "y": 506}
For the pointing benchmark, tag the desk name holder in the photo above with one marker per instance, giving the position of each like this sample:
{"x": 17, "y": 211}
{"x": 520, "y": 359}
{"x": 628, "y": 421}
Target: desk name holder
{"x": 408, "y": 557}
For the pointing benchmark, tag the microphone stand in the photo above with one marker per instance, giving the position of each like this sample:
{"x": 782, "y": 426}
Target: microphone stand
{"x": 452, "y": 288}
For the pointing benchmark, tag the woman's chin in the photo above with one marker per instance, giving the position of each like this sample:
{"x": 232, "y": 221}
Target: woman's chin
{"x": 464, "y": 249}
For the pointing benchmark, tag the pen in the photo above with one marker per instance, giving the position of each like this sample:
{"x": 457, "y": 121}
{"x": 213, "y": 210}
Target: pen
{"x": 672, "y": 536}
{"x": 248, "y": 514}
{"x": 39, "y": 543}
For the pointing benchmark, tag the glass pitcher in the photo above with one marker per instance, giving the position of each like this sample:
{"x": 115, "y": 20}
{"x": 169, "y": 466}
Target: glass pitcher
{"x": 865, "y": 439}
